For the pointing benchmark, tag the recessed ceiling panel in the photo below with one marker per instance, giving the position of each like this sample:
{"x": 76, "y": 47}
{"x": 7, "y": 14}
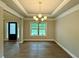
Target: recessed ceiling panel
{"x": 33, "y": 7}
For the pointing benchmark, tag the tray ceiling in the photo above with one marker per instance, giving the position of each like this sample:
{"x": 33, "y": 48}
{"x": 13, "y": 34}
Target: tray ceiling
{"x": 47, "y": 6}
{"x": 51, "y": 8}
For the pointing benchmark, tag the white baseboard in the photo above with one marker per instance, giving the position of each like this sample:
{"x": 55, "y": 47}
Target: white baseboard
{"x": 38, "y": 39}
{"x": 21, "y": 42}
{"x": 5, "y": 39}
{"x": 71, "y": 54}
{"x": 2, "y": 56}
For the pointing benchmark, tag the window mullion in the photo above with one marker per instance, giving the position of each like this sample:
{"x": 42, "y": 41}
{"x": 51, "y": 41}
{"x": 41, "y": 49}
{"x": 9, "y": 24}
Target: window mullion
{"x": 38, "y": 29}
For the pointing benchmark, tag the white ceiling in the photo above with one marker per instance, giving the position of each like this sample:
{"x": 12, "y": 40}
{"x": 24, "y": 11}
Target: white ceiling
{"x": 51, "y": 8}
{"x": 47, "y": 6}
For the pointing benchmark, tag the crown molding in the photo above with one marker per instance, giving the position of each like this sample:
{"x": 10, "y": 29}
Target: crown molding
{"x": 20, "y": 6}
{"x": 60, "y": 6}
{"x": 5, "y": 7}
{"x": 31, "y": 19}
{"x": 71, "y": 10}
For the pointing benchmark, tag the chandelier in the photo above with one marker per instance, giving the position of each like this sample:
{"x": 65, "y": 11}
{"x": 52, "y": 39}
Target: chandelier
{"x": 39, "y": 17}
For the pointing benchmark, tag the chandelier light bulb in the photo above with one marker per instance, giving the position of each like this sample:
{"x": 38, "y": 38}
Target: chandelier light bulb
{"x": 34, "y": 17}
{"x": 45, "y": 17}
{"x": 42, "y": 19}
{"x": 39, "y": 15}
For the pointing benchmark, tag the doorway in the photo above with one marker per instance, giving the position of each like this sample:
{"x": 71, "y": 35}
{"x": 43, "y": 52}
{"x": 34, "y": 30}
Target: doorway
{"x": 12, "y": 31}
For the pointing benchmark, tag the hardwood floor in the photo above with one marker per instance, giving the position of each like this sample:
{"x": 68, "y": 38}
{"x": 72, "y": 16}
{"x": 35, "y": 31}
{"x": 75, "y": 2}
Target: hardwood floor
{"x": 34, "y": 50}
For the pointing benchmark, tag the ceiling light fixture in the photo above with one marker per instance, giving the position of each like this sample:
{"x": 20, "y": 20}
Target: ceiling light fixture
{"x": 40, "y": 16}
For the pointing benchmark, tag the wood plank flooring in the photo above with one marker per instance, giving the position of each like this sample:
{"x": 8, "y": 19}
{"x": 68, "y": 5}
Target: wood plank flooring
{"x": 34, "y": 50}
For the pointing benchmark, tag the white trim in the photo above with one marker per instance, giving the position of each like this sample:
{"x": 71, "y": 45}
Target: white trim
{"x": 2, "y": 56}
{"x": 5, "y": 7}
{"x": 61, "y": 6}
{"x": 6, "y": 39}
{"x": 38, "y": 39}
{"x": 21, "y": 30}
{"x": 20, "y": 6}
{"x": 71, "y": 10}
{"x": 49, "y": 19}
{"x": 21, "y": 41}
{"x": 71, "y": 54}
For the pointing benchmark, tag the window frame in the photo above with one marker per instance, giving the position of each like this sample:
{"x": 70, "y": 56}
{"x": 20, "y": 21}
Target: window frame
{"x": 38, "y": 30}
{"x": 6, "y": 31}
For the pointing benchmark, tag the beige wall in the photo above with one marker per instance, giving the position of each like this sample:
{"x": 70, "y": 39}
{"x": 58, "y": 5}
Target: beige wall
{"x": 50, "y": 30}
{"x": 1, "y": 32}
{"x": 67, "y": 32}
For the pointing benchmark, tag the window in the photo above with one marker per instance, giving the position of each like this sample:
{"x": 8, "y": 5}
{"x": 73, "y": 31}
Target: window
{"x": 12, "y": 28}
{"x": 34, "y": 29}
{"x": 11, "y": 32}
{"x": 38, "y": 29}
